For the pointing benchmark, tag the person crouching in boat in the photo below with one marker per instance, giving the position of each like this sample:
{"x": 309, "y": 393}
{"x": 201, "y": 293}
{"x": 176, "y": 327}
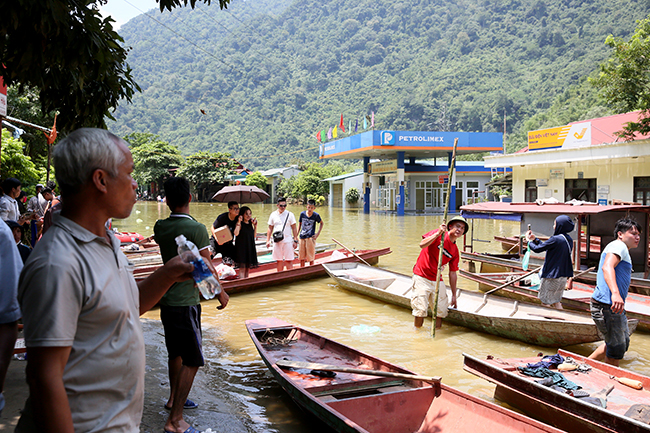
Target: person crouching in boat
{"x": 425, "y": 270}
{"x": 558, "y": 268}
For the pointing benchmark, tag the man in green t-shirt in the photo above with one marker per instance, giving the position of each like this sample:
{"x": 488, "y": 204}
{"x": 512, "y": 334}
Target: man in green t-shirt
{"x": 180, "y": 307}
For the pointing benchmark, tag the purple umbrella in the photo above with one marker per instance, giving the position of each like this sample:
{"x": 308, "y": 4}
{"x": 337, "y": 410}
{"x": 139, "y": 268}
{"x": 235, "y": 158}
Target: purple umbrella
{"x": 240, "y": 194}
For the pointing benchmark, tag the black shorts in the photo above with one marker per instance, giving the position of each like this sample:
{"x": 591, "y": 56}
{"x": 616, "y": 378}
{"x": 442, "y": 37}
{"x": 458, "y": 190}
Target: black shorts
{"x": 183, "y": 334}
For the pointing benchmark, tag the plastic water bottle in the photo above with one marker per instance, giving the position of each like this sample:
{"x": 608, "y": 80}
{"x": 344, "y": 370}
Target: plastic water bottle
{"x": 205, "y": 280}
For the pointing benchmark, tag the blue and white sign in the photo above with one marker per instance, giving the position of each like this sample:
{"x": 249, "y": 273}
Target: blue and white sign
{"x": 387, "y": 138}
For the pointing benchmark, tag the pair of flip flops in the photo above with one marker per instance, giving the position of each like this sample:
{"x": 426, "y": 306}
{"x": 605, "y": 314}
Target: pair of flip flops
{"x": 189, "y": 404}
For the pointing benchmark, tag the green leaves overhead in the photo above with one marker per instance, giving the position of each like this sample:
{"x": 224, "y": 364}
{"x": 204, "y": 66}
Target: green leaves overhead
{"x": 71, "y": 55}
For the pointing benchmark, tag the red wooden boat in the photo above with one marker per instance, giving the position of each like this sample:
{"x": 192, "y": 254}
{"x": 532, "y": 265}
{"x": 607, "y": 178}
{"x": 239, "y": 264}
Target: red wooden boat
{"x": 371, "y": 395}
{"x": 266, "y": 275}
{"x": 562, "y": 410}
{"x": 636, "y": 306}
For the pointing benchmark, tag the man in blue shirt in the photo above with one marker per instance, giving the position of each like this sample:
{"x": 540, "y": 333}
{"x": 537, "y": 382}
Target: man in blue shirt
{"x": 608, "y": 300}
{"x": 307, "y": 229}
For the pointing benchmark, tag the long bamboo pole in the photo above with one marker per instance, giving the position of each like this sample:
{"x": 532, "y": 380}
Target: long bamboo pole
{"x": 434, "y": 312}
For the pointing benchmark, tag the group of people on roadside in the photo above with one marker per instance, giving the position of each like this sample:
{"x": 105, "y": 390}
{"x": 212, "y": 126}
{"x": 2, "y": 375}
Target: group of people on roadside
{"x": 608, "y": 299}
{"x": 283, "y": 235}
{"x": 18, "y": 217}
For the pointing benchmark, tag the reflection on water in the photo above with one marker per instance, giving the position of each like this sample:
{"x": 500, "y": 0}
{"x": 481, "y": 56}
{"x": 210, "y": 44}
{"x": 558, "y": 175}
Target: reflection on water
{"x": 323, "y": 307}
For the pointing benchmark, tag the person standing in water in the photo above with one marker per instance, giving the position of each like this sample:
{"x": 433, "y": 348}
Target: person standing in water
{"x": 558, "y": 268}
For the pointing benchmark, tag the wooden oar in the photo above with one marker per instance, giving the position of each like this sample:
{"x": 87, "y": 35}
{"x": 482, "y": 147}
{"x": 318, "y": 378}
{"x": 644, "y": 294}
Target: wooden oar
{"x": 434, "y": 309}
{"x": 283, "y": 363}
{"x": 353, "y": 253}
{"x": 519, "y": 278}
{"x": 584, "y": 272}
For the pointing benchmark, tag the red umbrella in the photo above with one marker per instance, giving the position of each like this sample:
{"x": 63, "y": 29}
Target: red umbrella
{"x": 240, "y": 194}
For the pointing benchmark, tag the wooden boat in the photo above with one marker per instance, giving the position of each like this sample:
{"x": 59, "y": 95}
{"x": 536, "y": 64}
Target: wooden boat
{"x": 266, "y": 275}
{"x": 354, "y": 401}
{"x": 636, "y": 306}
{"x": 511, "y": 244}
{"x": 492, "y": 263}
{"x": 598, "y": 222}
{"x": 532, "y": 324}
{"x": 128, "y": 237}
{"x": 562, "y": 410}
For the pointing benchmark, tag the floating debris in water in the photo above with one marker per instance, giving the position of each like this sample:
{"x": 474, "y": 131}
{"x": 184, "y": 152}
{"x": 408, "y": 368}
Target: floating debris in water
{"x": 365, "y": 329}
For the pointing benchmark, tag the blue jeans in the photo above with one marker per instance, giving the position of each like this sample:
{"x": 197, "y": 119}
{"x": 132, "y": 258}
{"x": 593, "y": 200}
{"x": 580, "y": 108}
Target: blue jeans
{"x": 613, "y": 327}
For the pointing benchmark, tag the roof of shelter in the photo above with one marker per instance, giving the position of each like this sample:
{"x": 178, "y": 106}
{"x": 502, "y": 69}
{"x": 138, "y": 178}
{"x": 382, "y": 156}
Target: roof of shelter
{"x": 415, "y": 144}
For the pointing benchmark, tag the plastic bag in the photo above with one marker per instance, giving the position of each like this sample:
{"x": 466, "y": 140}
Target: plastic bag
{"x": 225, "y": 272}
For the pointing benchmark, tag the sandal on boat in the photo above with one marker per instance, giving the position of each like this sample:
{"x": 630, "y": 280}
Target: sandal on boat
{"x": 189, "y": 404}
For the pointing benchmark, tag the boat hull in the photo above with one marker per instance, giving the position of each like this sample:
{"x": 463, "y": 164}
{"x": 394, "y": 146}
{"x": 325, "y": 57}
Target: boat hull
{"x": 528, "y": 323}
{"x": 267, "y": 275}
{"x": 637, "y": 307}
{"x": 562, "y": 410}
{"x": 351, "y": 402}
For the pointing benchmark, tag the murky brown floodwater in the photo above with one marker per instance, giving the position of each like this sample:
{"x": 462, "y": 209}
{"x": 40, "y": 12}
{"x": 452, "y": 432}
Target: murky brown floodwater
{"x": 323, "y": 307}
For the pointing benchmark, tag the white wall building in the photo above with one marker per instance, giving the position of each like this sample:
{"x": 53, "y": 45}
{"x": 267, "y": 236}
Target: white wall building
{"x": 581, "y": 161}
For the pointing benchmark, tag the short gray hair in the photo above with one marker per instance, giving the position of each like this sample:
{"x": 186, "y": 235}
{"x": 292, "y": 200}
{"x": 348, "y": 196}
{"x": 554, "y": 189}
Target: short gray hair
{"x": 82, "y": 152}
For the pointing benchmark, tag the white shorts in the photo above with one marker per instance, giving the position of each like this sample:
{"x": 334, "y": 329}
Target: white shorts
{"x": 424, "y": 291}
{"x": 283, "y": 251}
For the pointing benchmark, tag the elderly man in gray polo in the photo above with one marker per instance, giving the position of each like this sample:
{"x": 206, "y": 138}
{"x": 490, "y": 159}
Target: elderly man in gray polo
{"x": 80, "y": 302}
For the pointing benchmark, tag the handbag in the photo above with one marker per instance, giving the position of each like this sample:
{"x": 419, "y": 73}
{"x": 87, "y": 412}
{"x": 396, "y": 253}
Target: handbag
{"x": 279, "y": 236}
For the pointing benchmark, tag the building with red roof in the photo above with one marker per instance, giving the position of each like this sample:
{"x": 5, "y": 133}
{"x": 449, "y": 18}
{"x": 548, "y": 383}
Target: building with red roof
{"x": 583, "y": 160}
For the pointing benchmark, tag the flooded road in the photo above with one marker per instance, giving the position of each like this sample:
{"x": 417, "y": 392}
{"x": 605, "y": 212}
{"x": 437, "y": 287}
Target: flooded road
{"x": 323, "y": 307}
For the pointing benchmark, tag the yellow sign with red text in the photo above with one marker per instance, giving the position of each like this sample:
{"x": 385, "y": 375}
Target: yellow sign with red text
{"x": 576, "y": 135}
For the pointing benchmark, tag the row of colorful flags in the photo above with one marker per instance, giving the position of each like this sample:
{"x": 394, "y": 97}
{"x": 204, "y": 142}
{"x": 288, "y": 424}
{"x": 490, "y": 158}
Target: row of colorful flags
{"x": 333, "y": 132}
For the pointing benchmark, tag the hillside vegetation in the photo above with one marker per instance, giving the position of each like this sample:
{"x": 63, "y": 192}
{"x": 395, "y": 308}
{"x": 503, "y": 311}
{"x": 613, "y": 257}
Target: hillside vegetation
{"x": 259, "y": 80}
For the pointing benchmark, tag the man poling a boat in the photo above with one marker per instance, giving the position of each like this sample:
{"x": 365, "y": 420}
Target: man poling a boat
{"x": 425, "y": 270}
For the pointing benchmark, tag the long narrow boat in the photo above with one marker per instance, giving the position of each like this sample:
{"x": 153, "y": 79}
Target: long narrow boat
{"x": 636, "y": 306}
{"x": 358, "y": 402}
{"x": 532, "y": 324}
{"x": 563, "y": 410}
{"x": 488, "y": 263}
{"x": 266, "y": 275}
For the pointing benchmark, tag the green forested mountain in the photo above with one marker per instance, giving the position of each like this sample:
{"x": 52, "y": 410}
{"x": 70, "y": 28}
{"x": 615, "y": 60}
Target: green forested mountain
{"x": 269, "y": 74}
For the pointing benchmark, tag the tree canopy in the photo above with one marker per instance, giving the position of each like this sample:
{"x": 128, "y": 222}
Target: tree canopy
{"x": 16, "y": 164}
{"x": 72, "y": 56}
{"x": 256, "y": 179}
{"x": 624, "y": 80}
{"x": 152, "y": 158}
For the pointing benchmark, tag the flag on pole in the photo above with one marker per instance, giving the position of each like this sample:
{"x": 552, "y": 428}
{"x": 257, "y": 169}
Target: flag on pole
{"x": 335, "y": 132}
{"x": 356, "y": 125}
{"x": 341, "y": 125}
{"x": 350, "y": 126}
{"x": 329, "y": 134}
{"x": 323, "y": 135}
{"x": 318, "y": 137}
{"x": 372, "y": 120}
{"x": 365, "y": 123}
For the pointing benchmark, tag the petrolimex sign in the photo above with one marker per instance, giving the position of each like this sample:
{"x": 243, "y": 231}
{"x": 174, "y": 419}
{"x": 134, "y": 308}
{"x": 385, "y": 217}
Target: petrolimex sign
{"x": 568, "y": 136}
{"x": 387, "y": 138}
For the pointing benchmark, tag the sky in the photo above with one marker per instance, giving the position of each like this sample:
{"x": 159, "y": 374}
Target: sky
{"x": 123, "y": 10}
